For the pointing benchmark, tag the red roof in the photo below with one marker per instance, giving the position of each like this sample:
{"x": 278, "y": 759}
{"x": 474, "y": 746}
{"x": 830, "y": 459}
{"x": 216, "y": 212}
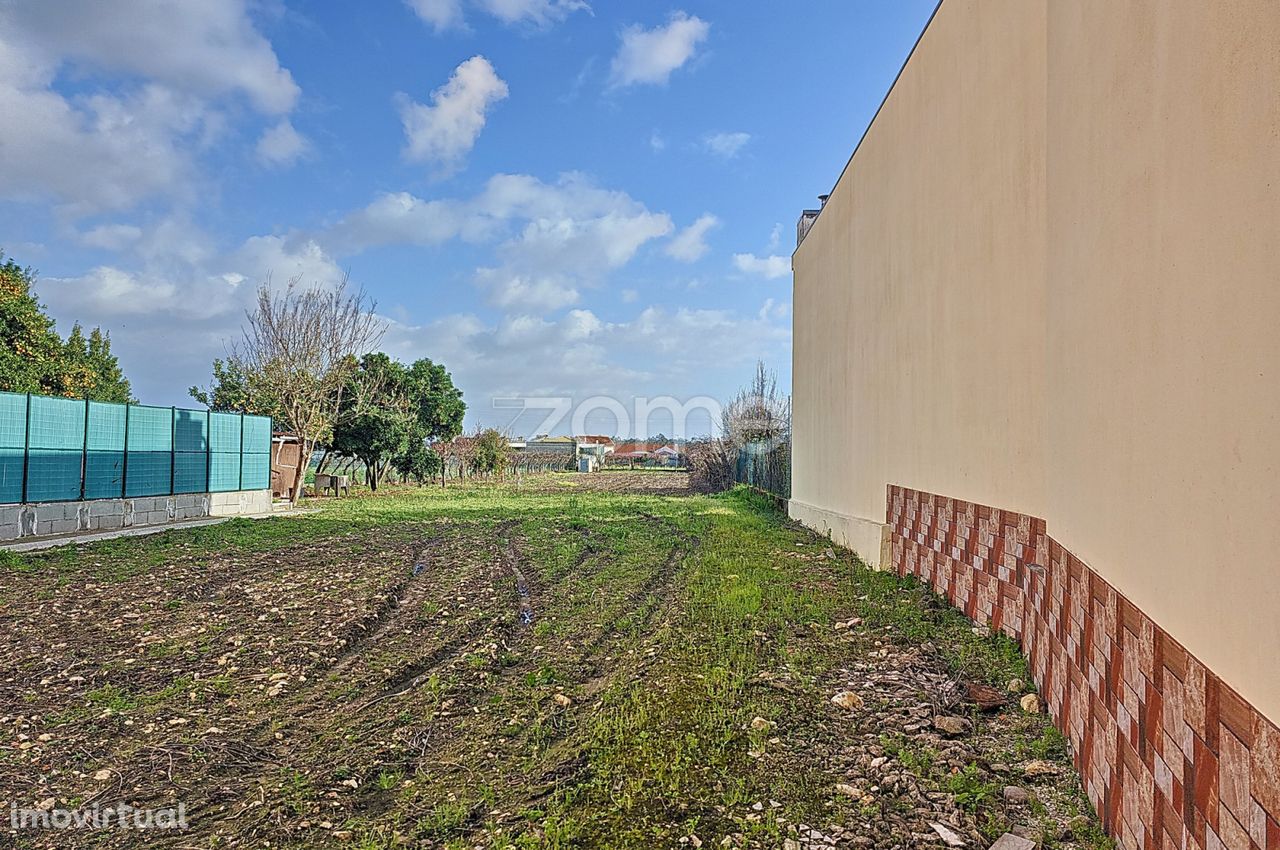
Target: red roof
{"x": 595, "y": 439}
{"x": 647, "y": 448}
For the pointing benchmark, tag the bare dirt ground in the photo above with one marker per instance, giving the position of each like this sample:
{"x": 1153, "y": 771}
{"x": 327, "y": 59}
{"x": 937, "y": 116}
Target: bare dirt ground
{"x": 581, "y": 664}
{"x": 647, "y": 482}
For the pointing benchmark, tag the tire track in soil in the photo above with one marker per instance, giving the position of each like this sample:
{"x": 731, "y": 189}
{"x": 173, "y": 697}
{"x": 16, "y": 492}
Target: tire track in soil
{"x": 308, "y": 713}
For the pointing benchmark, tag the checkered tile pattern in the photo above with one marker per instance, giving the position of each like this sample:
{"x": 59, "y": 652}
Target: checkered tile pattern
{"x": 1170, "y": 755}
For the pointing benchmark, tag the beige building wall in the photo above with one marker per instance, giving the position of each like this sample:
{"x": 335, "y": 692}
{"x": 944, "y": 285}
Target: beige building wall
{"x": 919, "y": 291}
{"x": 1163, "y": 419}
{"x": 1049, "y": 281}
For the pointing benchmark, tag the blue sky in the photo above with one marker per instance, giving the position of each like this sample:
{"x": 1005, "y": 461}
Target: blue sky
{"x": 551, "y": 197}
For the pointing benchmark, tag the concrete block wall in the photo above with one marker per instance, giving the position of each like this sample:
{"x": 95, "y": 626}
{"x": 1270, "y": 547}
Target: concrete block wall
{"x": 240, "y": 503}
{"x": 50, "y": 519}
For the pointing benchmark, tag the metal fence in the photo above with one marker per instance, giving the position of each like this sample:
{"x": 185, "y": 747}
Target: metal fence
{"x": 60, "y": 449}
{"x": 765, "y": 466}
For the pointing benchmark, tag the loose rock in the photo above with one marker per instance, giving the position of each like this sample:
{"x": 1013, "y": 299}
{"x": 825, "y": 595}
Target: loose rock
{"x": 949, "y": 837}
{"x": 949, "y": 724}
{"x": 1039, "y": 768}
{"x": 847, "y": 700}
{"x": 1014, "y": 794}
{"x": 1009, "y": 841}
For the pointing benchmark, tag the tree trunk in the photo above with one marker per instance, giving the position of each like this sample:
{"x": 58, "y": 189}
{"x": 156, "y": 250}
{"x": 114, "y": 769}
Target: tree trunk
{"x": 304, "y": 462}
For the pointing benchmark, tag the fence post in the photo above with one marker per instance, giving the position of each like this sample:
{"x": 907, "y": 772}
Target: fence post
{"x": 240, "y": 486}
{"x": 124, "y": 456}
{"x": 173, "y": 449}
{"x": 208, "y": 451}
{"x": 26, "y": 449}
{"x": 84, "y": 454}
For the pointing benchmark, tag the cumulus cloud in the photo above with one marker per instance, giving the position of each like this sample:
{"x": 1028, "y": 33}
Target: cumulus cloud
{"x": 569, "y": 226}
{"x": 174, "y": 302}
{"x": 449, "y": 14}
{"x": 281, "y": 145}
{"x": 203, "y": 48}
{"x": 537, "y": 12}
{"x": 771, "y": 267}
{"x": 444, "y": 131}
{"x": 650, "y": 56}
{"x": 574, "y": 234}
{"x": 655, "y": 351}
{"x": 690, "y": 244}
{"x": 725, "y": 145}
{"x": 110, "y": 148}
{"x": 111, "y": 237}
{"x": 440, "y": 14}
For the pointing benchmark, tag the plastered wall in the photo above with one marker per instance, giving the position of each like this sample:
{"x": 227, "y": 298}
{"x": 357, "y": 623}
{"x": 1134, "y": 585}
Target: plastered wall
{"x": 1049, "y": 281}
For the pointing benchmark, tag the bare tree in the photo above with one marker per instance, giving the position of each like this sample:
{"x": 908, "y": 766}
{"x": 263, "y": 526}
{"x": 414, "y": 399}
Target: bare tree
{"x": 759, "y": 413}
{"x": 300, "y": 347}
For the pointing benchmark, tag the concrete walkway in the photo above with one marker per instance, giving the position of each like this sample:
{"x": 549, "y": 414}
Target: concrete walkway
{"x": 137, "y": 531}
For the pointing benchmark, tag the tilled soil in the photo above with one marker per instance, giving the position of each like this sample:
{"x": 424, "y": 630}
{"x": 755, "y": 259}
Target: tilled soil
{"x": 474, "y": 678}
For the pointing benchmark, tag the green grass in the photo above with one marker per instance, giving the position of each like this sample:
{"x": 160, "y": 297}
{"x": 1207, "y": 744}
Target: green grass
{"x": 662, "y": 738}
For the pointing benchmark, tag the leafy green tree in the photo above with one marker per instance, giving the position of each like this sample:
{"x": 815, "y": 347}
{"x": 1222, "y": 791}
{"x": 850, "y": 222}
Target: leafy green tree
{"x": 391, "y": 413}
{"x": 417, "y": 461}
{"x": 489, "y": 452}
{"x": 34, "y": 359}
{"x": 376, "y": 419}
{"x": 90, "y": 370}
{"x": 230, "y": 390}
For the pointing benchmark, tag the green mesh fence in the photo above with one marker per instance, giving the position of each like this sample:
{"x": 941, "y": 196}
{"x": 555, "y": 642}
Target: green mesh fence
{"x": 191, "y": 451}
{"x": 149, "y": 452}
{"x": 57, "y": 449}
{"x": 255, "y": 462}
{"x": 224, "y": 462}
{"x": 13, "y": 444}
{"x": 104, "y": 451}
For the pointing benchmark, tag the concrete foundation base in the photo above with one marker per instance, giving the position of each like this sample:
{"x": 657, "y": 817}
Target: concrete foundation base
{"x": 21, "y": 522}
{"x": 867, "y": 537}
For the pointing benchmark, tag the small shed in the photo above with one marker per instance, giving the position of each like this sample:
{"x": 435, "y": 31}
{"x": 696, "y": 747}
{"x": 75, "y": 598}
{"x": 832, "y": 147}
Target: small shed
{"x": 286, "y": 455}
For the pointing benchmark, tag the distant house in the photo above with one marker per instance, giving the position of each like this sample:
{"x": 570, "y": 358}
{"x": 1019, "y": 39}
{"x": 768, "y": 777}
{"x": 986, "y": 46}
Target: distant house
{"x": 668, "y": 456}
{"x": 544, "y": 443}
{"x": 595, "y": 447}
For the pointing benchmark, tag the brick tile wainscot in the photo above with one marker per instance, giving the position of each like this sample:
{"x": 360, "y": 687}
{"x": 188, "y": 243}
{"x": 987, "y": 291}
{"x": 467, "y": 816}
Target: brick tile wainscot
{"x": 1170, "y": 755}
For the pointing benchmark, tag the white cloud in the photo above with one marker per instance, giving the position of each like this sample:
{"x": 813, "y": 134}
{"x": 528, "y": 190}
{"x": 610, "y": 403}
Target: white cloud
{"x": 657, "y": 351}
{"x": 630, "y": 296}
{"x": 449, "y": 14}
{"x": 102, "y": 152}
{"x": 771, "y": 267}
{"x": 281, "y": 145}
{"x": 690, "y": 244}
{"x": 574, "y": 235}
{"x": 440, "y": 14}
{"x": 112, "y": 237}
{"x": 537, "y": 12}
{"x": 726, "y": 145}
{"x": 651, "y": 55}
{"x": 403, "y": 219}
{"x": 512, "y": 291}
{"x": 111, "y": 148}
{"x": 773, "y": 310}
{"x": 444, "y": 132}
{"x": 553, "y": 239}
{"x": 203, "y": 48}
{"x": 181, "y": 297}
{"x": 656, "y": 142}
